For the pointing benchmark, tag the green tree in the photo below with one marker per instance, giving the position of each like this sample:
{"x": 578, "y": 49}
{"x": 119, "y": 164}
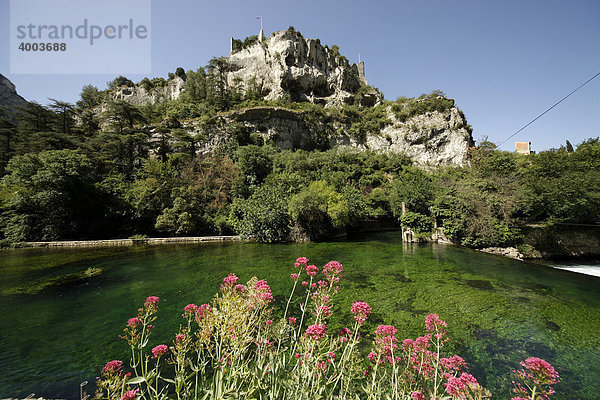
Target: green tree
{"x": 65, "y": 112}
{"x": 121, "y": 115}
{"x": 90, "y": 97}
{"x": 263, "y": 215}
{"x": 51, "y": 196}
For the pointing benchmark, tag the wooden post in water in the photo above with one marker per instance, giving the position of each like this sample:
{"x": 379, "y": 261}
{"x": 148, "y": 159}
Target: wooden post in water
{"x": 83, "y": 390}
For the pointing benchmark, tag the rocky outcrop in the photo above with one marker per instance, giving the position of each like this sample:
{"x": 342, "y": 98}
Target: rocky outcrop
{"x": 509, "y": 252}
{"x": 9, "y": 99}
{"x": 436, "y": 138}
{"x": 139, "y": 95}
{"x": 288, "y": 65}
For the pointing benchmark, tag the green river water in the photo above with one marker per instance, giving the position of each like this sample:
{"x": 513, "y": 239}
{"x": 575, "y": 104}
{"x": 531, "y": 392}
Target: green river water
{"x": 56, "y": 333}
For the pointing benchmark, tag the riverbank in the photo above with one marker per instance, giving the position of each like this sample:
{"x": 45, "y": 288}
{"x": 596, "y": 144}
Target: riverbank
{"x": 130, "y": 242}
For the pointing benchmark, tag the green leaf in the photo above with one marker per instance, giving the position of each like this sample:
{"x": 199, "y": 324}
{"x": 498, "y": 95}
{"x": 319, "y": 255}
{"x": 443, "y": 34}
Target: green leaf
{"x": 136, "y": 380}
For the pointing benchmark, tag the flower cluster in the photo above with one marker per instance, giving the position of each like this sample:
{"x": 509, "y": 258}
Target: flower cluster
{"x": 230, "y": 280}
{"x": 189, "y": 311}
{"x": 114, "y": 367}
{"x": 301, "y": 261}
{"x": 457, "y": 386}
{"x": 263, "y": 291}
{"x": 151, "y": 304}
{"x": 361, "y": 311}
{"x": 312, "y": 270}
{"x": 538, "y": 374}
{"x": 236, "y": 335}
{"x": 385, "y": 342}
{"x": 333, "y": 271}
{"x": 130, "y": 394}
{"x": 316, "y": 332}
{"x": 160, "y": 350}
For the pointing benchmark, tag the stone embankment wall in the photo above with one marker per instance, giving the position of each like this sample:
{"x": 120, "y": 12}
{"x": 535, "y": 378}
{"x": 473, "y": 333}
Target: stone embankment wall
{"x": 132, "y": 242}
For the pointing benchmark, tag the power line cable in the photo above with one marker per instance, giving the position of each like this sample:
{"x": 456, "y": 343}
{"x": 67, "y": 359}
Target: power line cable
{"x": 554, "y": 105}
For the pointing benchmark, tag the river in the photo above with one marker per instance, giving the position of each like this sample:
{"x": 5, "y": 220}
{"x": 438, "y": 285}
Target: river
{"x": 499, "y": 311}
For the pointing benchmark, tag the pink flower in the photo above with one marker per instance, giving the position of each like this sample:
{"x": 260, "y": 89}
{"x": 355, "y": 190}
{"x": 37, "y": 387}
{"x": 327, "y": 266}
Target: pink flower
{"x": 344, "y": 332}
{"x": 267, "y": 297}
{"x": 178, "y": 338}
{"x": 114, "y": 366}
{"x": 230, "y": 280}
{"x": 295, "y": 276}
{"x": 133, "y": 322}
{"x": 292, "y": 320}
{"x": 422, "y": 342}
{"x": 316, "y": 332}
{"x": 432, "y": 321}
{"x": 269, "y": 322}
{"x": 540, "y": 371}
{"x": 468, "y": 379}
{"x": 313, "y": 285}
{"x": 151, "y": 303}
{"x": 189, "y": 311}
{"x": 331, "y": 355}
{"x": 323, "y": 311}
{"x": 361, "y": 311}
{"x": 302, "y": 261}
{"x": 130, "y": 394}
{"x": 202, "y": 312}
{"x": 373, "y": 357}
{"x": 386, "y": 330}
{"x": 537, "y": 373}
{"x": 333, "y": 271}
{"x": 160, "y": 350}
{"x": 304, "y": 283}
{"x": 297, "y": 355}
{"x": 322, "y": 365}
{"x": 312, "y": 270}
{"x": 322, "y": 284}
{"x": 453, "y": 363}
{"x": 454, "y": 386}
{"x": 418, "y": 396}
{"x": 262, "y": 286}
{"x": 240, "y": 288}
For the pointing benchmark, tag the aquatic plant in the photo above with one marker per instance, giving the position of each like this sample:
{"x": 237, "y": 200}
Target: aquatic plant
{"x": 235, "y": 348}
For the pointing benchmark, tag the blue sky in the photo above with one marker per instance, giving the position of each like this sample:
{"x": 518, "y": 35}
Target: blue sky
{"x": 504, "y": 62}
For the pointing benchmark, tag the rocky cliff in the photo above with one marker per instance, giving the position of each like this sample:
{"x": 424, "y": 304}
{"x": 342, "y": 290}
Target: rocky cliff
{"x": 9, "y": 99}
{"x": 288, "y": 65}
{"x": 436, "y": 138}
{"x": 139, "y": 95}
{"x": 299, "y": 70}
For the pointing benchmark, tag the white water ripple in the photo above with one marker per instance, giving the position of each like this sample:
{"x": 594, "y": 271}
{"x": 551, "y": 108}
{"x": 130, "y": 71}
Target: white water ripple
{"x": 593, "y": 270}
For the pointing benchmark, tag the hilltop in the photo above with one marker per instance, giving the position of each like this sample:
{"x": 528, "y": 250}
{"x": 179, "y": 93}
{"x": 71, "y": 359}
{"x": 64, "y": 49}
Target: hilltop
{"x": 296, "y": 93}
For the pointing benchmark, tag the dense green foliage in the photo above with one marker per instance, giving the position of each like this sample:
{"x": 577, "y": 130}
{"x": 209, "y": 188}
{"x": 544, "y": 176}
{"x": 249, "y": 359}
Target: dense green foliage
{"x": 74, "y": 171}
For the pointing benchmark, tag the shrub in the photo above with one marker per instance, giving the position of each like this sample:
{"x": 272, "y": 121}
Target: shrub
{"x": 405, "y": 108}
{"x": 233, "y": 347}
{"x": 420, "y": 223}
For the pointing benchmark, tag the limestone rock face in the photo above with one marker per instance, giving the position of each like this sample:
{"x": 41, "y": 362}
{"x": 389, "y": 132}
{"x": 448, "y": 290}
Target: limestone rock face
{"x": 9, "y": 99}
{"x": 287, "y": 64}
{"x": 436, "y": 138}
{"x": 139, "y": 96}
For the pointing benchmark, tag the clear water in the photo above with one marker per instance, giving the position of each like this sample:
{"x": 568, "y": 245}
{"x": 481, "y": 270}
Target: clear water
{"x": 499, "y": 311}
